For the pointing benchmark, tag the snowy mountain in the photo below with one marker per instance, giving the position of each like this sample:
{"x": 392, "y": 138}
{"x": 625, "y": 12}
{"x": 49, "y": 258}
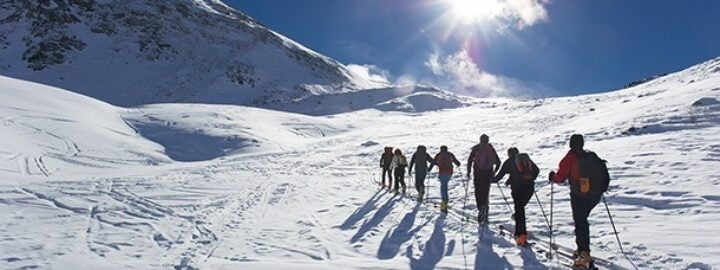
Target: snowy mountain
{"x": 130, "y": 53}
{"x": 89, "y": 185}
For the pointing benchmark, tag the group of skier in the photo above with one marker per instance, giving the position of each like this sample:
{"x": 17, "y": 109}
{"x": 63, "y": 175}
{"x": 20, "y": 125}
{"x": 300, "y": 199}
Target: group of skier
{"x": 585, "y": 171}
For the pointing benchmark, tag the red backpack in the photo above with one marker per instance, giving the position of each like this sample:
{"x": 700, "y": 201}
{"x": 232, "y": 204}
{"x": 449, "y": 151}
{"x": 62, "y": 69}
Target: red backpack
{"x": 444, "y": 160}
{"x": 524, "y": 165}
{"x": 484, "y": 157}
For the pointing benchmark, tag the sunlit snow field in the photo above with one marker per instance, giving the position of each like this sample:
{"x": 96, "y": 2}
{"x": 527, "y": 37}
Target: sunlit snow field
{"x": 85, "y": 184}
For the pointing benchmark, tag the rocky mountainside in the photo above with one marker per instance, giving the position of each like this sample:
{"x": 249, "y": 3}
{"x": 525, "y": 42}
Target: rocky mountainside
{"x": 133, "y": 52}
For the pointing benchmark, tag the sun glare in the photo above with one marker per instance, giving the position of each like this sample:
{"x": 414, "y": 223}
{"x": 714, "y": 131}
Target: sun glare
{"x": 473, "y": 11}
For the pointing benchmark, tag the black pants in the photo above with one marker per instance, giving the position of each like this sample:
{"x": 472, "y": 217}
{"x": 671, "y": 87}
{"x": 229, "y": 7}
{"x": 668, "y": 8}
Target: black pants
{"x": 389, "y": 175}
{"x": 521, "y": 196}
{"x": 481, "y": 180}
{"x": 581, "y": 208}
{"x": 400, "y": 177}
{"x": 420, "y": 181}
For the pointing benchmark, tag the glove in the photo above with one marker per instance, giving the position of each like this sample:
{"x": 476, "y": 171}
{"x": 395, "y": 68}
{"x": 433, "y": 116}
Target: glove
{"x": 551, "y": 176}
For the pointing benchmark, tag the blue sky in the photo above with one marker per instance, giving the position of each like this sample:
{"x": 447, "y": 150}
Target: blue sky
{"x": 502, "y": 47}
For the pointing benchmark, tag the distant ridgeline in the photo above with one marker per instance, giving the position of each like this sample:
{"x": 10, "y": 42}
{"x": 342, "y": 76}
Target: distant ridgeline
{"x": 639, "y": 82}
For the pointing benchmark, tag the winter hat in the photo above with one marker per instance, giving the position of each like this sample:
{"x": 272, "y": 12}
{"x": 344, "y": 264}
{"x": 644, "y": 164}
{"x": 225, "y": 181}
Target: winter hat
{"x": 512, "y": 152}
{"x": 577, "y": 141}
{"x": 484, "y": 138}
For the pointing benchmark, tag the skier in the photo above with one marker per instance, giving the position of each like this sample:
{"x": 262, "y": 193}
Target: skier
{"x": 444, "y": 161}
{"x": 484, "y": 162}
{"x": 419, "y": 161}
{"x": 522, "y": 183}
{"x": 398, "y": 164}
{"x": 385, "y": 161}
{"x": 584, "y": 193}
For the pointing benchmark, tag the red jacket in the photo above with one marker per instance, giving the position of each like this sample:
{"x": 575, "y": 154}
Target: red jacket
{"x": 568, "y": 168}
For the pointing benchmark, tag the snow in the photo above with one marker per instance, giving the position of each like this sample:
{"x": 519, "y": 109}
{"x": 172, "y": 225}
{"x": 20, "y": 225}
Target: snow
{"x": 404, "y": 99}
{"x": 88, "y": 185}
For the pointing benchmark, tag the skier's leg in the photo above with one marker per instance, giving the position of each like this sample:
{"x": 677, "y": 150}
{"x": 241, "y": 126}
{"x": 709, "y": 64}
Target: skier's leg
{"x": 485, "y": 195}
{"x": 390, "y": 178}
{"x": 519, "y": 213}
{"x": 401, "y": 179}
{"x": 382, "y": 183}
{"x": 420, "y": 181}
{"x": 444, "y": 179}
{"x": 521, "y": 199}
{"x": 580, "y": 209}
{"x": 397, "y": 179}
{"x": 478, "y": 190}
{"x": 386, "y": 177}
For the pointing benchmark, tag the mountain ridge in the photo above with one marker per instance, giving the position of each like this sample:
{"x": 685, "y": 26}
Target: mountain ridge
{"x": 163, "y": 51}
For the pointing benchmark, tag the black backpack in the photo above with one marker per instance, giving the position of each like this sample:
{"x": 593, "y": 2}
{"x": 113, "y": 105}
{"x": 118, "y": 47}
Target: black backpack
{"x": 594, "y": 176}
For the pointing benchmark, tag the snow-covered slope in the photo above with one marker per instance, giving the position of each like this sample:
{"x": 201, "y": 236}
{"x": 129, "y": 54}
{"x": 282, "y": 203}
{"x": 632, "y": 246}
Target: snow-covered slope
{"x": 139, "y": 52}
{"x": 396, "y": 98}
{"x": 283, "y": 190}
{"x": 45, "y": 130}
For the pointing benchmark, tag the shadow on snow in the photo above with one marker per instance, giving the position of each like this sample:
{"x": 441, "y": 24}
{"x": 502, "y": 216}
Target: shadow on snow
{"x": 390, "y": 245}
{"x": 376, "y": 219}
{"x": 434, "y": 248}
{"x": 185, "y": 145}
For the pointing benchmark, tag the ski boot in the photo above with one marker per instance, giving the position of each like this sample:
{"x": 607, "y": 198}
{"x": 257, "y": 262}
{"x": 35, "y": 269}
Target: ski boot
{"x": 444, "y": 207}
{"x": 482, "y": 218}
{"x": 483, "y": 215}
{"x": 420, "y": 196}
{"x": 521, "y": 240}
{"x": 583, "y": 260}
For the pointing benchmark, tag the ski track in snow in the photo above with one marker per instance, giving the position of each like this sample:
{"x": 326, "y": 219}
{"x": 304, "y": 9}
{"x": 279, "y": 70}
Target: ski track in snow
{"x": 299, "y": 192}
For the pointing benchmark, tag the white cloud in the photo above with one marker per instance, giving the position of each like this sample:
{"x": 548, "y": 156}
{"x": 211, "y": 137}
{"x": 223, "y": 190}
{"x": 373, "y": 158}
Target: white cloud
{"x": 459, "y": 73}
{"x": 525, "y": 12}
{"x": 371, "y": 75}
{"x": 405, "y": 80}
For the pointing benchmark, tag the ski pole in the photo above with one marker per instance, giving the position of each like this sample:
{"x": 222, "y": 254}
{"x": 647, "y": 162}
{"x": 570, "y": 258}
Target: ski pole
{"x": 465, "y": 185}
{"x": 552, "y": 193}
{"x": 512, "y": 213}
{"x": 542, "y": 209}
{"x": 463, "y": 224}
{"x": 617, "y": 236}
{"x": 613, "y": 224}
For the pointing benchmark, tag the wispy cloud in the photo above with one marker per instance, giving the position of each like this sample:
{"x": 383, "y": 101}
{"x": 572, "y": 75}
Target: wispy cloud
{"x": 525, "y": 12}
{"x": 460, "y": 74}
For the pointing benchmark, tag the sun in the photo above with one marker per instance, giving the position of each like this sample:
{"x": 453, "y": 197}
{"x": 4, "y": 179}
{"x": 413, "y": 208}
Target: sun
{"x": 474, "y": 11}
